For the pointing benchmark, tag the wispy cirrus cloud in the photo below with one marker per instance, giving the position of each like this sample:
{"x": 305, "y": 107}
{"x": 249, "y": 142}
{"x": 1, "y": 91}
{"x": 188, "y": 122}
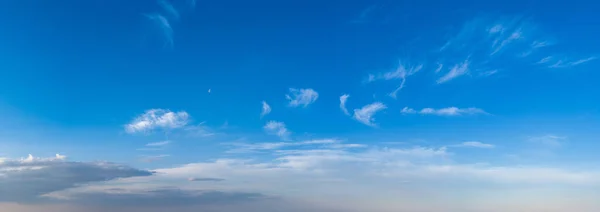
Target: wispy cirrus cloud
{"x": 266, "y": 109}
{"x": 548, "y": 140}
{"x": 163, "y": 19}
{"x": 164, "y": 26}
{"x": 475, "y": 144}
{"x": 343, "y": 100}
{"x": 157, "y": 119}
{"x": 158, "y": 144}
{"x": 301, "y": 97}
{"x": 366, "y": 113}
{"x": 402, "y": 71}
{"x": 278, "y": 129}
{"x": 456, "y": 71}
{"x": 556, "y": 62}
{"x": 449, "y": 111}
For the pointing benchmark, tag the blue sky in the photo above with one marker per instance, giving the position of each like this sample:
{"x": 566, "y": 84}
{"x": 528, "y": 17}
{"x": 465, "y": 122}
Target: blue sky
{"x": 218, "y": 102}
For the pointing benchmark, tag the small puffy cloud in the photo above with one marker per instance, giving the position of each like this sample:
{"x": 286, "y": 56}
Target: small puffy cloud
{"x": 46, "y": 175}
{"x": 278, "y": 129}
{"x": 449, "y": 111}
{"x": 366, "y": 113}
{"x": 476, "y": 144}
{"x": 343, "y": 100}
{"x": 157, "y": 119}
{"x": 266, "y": 109}
{"x": 301, "y": 97}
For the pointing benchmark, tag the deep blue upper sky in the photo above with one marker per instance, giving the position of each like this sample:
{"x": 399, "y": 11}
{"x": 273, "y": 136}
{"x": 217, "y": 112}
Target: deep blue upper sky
{"x": 81, "y": 66}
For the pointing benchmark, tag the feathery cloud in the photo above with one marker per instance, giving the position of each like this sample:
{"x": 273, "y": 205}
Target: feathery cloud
{"x": 456, "y": 71}
{"x": 158, "y": 144}
{"x": 157, "y": 119}
{"x": 266, "y": 109}
{"x": 164, "y": 26}
{"x": 475, "y": 144}
{"x": 401, "y": 72}
{"x": 277, "y": 128}
{"x": 302, "y": 97}
{"x": 449, "y": 111}
{"x": 548, "y": 140}
{"x": 343, "y": 100}
{"x": 366, "y": 113}
{"x": 169, "y": 9}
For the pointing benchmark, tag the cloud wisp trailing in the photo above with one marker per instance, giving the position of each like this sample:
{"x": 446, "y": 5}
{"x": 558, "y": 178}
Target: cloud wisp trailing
{"x": 343, "y": 100}
{"x": 164, "y": 19}
{"x": 301, "y": 97}
{"x": 449, "y": 111}
{"x": 266, "y": 109}
{"x": 402, "y": 71}
{"x": 366, "y": 113}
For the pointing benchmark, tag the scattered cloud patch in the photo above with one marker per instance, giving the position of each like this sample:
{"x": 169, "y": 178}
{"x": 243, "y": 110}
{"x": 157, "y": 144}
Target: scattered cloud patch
{"x": 255, "y": 147}
{"x": 402, "y": 71}
{"x": 169, "y": 9}
{"x": 164, "y": 26}
{"x": 157, "y": 119}
{"x": 366, "y": 113}
{"x": 475, "y": 144}
{"x": 158, "y": 144}
{"x": 301, "y": 97}
{"x": 266, "y": 109}
{"x": 449, "y": 111}
{"x": 456, "y": 71}
{"x": 548, "y": 140}
{"x": 278, "y": 129}
{"x": 343, "y": 100}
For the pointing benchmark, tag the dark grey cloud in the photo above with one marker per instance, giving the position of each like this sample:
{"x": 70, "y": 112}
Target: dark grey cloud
{"x": 26, "y": 181}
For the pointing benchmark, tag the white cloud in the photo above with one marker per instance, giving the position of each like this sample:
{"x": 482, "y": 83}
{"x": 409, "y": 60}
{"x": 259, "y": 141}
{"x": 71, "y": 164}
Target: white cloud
{"x": 343, "y": 100}
{"x": 157, "y": 119}
{"x": 548, "y": 140}
{"x": 266, "y": 109}
{"x": 401, "y": 72}
{"x": 366, "y": 113}
{"x": 476, "y": 144}
{"x": 158, "y": 144}
{"x": 169, "y": 9}
{"x": 565, "y": 63}
{"x": 277, "y": 128}
{"x": 164, "y": 26}
{"x": 302, "y": 97}
{"x": 253, "y": 147}
{"x": 456, "y": 71}
{"x": 449, "y": 111}
{"x": 407, "y": 110}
